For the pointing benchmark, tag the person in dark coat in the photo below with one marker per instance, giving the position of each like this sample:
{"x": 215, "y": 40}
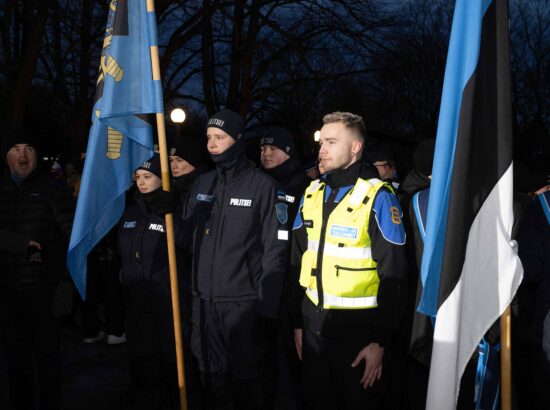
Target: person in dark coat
{"x": 147, "y": 298}
{"x": 534, "y": 252}
{"x": 239, "y": 250}
{"x": 32, "y": 206}
{"x": 279, "y": 160}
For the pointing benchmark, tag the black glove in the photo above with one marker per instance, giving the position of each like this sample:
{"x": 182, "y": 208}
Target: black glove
{"x": 34, "y": 254}
{"x": 163, "y": 202}
{"x": 263, "y": 329}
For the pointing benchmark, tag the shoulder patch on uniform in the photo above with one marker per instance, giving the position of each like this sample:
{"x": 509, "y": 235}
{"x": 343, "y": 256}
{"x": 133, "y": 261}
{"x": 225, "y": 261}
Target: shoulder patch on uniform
{"x": 388, "y": 215}
{"x": 282, "y": 212}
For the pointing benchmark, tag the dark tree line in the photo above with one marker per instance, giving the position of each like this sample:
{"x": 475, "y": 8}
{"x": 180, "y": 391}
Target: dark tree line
{"x": 274, "y": 61}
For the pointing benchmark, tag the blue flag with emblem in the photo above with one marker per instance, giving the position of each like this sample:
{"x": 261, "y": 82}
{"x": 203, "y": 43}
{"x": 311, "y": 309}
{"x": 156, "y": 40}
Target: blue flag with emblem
{"x": 121, "y": 136}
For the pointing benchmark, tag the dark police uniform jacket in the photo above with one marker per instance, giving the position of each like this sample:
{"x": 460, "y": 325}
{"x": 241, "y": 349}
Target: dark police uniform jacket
{"x": 144, "y": 258}
{"x": 40, "y": 208}
{"x": 239, "y": 237}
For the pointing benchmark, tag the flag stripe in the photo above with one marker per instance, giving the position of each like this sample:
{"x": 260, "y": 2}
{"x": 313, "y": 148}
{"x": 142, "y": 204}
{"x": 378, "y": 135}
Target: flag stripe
{"x": 485, "y": 126}
{"x": 488, "y": 252}
{"x": 471, "y": 59}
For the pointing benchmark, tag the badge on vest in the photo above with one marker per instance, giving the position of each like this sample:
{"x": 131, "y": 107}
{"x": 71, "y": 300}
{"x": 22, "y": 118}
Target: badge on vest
{"x": 240, "y": 202}
{"x": 308, "y": 223}
{"x": 130, "y": 224}
{"x": 205, "y": 198}
{"x": 339, "y": 231}
{"x": 156, "y": 227}
{"x": 282, "y": 212}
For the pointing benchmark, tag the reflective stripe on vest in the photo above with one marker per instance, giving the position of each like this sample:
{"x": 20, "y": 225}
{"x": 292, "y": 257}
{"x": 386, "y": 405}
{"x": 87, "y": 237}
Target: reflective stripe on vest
{"x": 343, "y": 302}
{"x": 349, "y": 276}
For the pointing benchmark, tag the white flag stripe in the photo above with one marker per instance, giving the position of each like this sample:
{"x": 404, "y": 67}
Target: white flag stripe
{"x": 490, "y": 277}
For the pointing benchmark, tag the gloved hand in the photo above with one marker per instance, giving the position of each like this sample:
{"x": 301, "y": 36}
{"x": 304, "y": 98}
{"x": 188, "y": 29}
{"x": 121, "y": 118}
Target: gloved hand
{"x": 263, "y": 329}
{"x": 164, "y": 202}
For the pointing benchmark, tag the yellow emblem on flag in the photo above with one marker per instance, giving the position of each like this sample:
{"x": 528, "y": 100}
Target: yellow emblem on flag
{"x": 114, "y": 141}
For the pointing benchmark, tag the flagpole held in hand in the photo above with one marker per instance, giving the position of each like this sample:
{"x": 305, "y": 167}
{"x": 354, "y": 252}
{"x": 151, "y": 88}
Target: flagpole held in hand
{"x": 161, "y": 131}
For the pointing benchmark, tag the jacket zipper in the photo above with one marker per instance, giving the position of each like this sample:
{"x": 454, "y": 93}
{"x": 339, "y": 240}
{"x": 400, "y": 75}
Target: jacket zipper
{"x": 339, "y": 268}
{"x": 216, "y": 236}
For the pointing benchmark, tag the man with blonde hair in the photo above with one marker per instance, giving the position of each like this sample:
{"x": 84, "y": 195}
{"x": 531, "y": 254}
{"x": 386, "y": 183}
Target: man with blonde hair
{"x": 348, "y": 252}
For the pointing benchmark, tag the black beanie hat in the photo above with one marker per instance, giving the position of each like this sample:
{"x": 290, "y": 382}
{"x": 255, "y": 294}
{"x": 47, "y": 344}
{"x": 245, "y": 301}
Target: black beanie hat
{"x": 423, "y": 157}
{"x": 280, "y": 138}
{"x": 190, "y": 149}
{"x": 229, "y": 122}
{"x": 152, "y": 165}
{"x": 18, "y": 136}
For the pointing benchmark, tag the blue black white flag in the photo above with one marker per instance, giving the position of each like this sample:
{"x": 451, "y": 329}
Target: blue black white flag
{"x": 470, "y": 268}
{"x": 121, "y": 136}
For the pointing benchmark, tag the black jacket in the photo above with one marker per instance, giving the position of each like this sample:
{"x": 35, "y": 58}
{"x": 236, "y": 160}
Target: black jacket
{"x": 239, "y": 245}
{"x": 534, "y": 252}
{"x": 41, "y": 209}
{"x": 144, "y": 257}
{"x": 372, "y": 325}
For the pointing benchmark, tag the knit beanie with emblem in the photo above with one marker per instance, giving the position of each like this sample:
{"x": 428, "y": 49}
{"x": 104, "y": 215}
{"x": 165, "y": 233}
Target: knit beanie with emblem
{"x": 18, "y": 136}
{"x": 191, "y": 150}
{"x": 152, "y": 165}
{"x": 229, "y": 122}
{"x": 280, "y": 138}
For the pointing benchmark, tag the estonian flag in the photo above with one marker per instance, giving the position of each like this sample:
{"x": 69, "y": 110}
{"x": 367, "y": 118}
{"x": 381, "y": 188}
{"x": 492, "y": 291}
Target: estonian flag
{"x": 470, "y": 268}
{"x": 121, "y": 137}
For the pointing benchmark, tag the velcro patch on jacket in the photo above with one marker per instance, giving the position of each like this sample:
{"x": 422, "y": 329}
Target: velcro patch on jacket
{"x": 130, "y": 224}
{"x": 205, "y": 198}
{"x": 340, "y": 231}
{"x": 244, "y": 203}
{"x": 156, "y": 227}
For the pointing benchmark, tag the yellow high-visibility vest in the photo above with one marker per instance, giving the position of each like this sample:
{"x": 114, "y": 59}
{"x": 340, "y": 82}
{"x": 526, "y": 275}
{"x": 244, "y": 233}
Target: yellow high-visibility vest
{"x": 349, "y": 275}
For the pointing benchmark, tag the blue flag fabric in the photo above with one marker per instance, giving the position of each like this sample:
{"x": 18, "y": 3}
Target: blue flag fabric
{"x": 462, "y": 60}
{"x": 121, "y": 138}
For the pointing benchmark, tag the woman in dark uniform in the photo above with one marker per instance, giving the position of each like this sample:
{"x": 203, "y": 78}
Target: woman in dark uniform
{"x": 147, "y": 299}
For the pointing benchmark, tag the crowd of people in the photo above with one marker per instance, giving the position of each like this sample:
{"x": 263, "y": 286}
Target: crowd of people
{"x": 294, "y": 281}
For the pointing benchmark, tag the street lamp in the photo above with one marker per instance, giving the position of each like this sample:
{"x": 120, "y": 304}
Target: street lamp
{"x": 177, "y": 115}
{"x": 317, "y": 136}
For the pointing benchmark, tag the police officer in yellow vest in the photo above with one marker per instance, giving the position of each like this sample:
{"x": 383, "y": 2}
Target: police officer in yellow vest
{"x": 348, "y": 252}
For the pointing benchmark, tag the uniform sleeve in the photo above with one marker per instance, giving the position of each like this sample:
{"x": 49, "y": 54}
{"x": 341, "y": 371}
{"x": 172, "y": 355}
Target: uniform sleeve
{"x": 299, "y": 246}
{"x": 274, "y": 233}
{"x": 388, "y": 250}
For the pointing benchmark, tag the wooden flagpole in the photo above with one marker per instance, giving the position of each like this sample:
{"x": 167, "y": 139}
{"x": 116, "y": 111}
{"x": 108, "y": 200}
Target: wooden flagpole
{"x": 176, "y": 313}
{"x": 506, "y": 360}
